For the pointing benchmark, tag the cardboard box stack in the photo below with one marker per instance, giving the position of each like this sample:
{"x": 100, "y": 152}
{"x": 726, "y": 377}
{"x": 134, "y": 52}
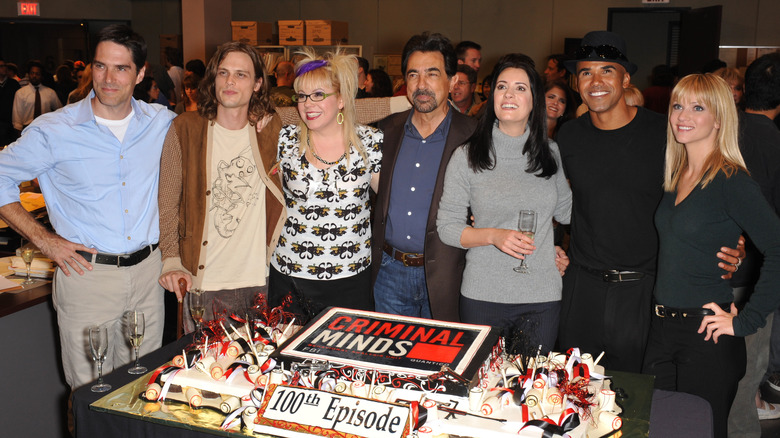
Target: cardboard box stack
{"x": 291, "y": 33}
{"x": 253, "y": 32}
{"x": 326, "y": 32}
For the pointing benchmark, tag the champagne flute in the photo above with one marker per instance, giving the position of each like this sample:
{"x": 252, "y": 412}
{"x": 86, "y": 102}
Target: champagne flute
{"x": 98, "y": 345}
{"x": 134, "y": 324}
{"x": 197, "y": 310}
{"x": 526, "y": 225}
{"x": 28, "y": 254}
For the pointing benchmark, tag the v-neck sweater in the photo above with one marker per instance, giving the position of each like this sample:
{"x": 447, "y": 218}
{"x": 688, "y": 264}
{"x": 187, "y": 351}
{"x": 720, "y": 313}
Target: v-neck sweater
{"x": 692, "y": 232}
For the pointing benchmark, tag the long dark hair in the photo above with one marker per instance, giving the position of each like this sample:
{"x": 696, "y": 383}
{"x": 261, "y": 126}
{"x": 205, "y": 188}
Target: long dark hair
{"x": 482, "y": 154}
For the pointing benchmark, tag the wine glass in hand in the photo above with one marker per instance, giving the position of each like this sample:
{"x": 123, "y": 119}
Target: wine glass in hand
{"x": 526, "y": 225}
{"x": 98, "y": 345}
{"x": 197, "y": 309}
{"x": 134, "y": 327}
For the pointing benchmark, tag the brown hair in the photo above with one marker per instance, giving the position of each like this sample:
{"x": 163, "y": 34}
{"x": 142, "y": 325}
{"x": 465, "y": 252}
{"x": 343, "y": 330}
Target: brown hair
{"x": 260, "y": 102}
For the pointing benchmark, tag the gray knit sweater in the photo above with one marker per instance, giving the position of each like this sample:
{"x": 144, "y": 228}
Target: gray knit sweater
{"x": 496, "y": 197}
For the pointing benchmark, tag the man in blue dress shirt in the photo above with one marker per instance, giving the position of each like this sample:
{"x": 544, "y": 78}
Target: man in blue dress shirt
{"x": 97, "y": 162}
{"x": 416, "y": 274}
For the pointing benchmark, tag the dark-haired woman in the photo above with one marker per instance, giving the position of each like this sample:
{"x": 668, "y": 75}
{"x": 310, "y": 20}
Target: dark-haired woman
{"x": 509, "y": 165}
{"x": 560, "y": 105}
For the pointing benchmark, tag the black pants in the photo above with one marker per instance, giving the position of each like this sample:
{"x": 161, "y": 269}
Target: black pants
{"x": 600, "y": 316}
{"x": 682, "y": 361}
{"x": 310, "y": 297}
{"x": 537, "y": 323}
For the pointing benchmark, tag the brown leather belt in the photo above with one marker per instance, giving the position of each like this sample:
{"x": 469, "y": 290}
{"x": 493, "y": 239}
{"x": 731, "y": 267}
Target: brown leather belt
{"x": 407, "y": 258}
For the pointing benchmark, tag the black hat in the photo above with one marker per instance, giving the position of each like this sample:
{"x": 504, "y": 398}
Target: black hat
{"x": 602, "y": 46}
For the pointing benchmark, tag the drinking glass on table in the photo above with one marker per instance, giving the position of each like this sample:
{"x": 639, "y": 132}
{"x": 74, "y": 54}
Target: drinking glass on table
{"x": 197, "y": 310}
{"x": 27, "y": 252}
{"x": 526, "y": 224}
{"x": 98, "y": 345}
{"x": 134, "y": 326}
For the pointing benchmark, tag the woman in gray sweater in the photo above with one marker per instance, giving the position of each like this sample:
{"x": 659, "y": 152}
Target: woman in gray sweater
{"x": 509, "y": 165}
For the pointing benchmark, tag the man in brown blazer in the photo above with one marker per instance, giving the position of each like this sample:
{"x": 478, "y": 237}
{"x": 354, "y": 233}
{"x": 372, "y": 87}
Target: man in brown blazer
{"x": 415, "y": 273}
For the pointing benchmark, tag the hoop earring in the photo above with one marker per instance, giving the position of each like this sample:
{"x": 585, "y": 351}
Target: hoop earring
{"x": 340, "y": 118}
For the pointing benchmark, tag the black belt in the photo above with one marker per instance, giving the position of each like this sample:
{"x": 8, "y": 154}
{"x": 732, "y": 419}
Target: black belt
{"x": 614, "y": 275}
{"x": 694, "y": 312}
{"x": 407, "y": 258}
{"x": 120, "y": 260}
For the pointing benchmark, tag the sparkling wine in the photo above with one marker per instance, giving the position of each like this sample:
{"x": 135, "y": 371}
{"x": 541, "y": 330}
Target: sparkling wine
{"x": 135, "y": 340}
{"x": 28, "y": 255}
{"x": 197, "y": 312}
{"x": 528, "y": 233}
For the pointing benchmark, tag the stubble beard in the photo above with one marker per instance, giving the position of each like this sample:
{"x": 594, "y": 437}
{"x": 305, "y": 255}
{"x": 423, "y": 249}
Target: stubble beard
{"x": 424, "y": 107}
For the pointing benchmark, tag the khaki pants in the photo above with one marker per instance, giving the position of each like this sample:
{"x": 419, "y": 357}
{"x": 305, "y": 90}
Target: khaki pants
{"x": 101, "y": 296}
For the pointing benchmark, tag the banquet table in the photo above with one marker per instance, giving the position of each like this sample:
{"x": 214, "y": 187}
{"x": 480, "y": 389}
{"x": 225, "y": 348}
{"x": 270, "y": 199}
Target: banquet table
{"x": 122, "y": 414}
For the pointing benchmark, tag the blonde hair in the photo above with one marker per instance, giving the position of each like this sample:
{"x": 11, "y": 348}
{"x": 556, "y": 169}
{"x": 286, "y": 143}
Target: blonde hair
{"x": 340, "y": 71}
{"x": 731, "y": 74}
{"x": 712, "y": 92}
{"x": 633, "y": 96}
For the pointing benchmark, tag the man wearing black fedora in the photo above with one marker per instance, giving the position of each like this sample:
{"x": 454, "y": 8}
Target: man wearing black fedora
{"x": 614, "y": 158}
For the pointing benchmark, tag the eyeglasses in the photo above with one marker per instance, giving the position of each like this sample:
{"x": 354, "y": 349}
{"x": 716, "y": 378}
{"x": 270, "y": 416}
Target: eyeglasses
{"x": 317, "y": 96}
{"x": 603, "y": 51}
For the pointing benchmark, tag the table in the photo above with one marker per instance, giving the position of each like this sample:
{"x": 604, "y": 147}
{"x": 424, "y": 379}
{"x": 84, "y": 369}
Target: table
{"x": 33, "y": 380}
{"x": 91, "y": 422}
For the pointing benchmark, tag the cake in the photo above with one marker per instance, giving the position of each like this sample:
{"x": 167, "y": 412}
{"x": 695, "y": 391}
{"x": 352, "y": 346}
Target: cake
{"x": 354, "y": 373}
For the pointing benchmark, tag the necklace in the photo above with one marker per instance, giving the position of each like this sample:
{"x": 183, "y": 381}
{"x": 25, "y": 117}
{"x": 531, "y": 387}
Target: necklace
{"x": 313, "y": 152}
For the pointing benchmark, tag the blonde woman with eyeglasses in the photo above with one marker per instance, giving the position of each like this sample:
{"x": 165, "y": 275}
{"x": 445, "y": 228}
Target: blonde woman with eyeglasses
{"x": 328, "y": 164}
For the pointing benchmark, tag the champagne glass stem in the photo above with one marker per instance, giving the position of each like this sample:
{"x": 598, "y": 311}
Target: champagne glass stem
{"x": 29, "y": 279}
{"x": 137, "y": 363}
{"x": 100, "y": 371}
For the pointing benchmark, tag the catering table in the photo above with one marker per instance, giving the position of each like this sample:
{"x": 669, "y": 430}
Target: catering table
{"x": 33, "y": 383}
{"x": 99, "y": 421}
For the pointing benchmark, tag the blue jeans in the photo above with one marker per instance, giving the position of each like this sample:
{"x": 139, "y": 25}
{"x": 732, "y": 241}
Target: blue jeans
{"x": 401, "y": 290}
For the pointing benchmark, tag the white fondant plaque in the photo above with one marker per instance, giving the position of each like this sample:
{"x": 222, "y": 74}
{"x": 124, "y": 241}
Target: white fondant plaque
{"x": 307, "y": 409}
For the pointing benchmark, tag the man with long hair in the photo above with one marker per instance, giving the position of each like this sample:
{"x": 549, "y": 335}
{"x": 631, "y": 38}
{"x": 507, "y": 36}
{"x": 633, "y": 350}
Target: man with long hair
{"x": 221, "y": 205}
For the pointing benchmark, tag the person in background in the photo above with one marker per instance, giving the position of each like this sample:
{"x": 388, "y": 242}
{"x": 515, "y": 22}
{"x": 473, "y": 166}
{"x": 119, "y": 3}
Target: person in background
{"x": 283, "y": 91}
{"x": 173, "y": 65}
{"x": 378, "y": 83}
{"x": 633, "y": 96}
{"x": 735, "y": 79}
{"x": 555, "y": 68}
{"x": 34, "y": 99}
{"x": 469, "y": 53}
{"x": 196, "y": 67}
{"x": 508, "y": 165}
{"x": 559, "y": 105}
{"x": 462, "y": 94}
{"x": 362, "y": 76}
{"x": 697, "y": 333}
{"x": 84, "y": 87}
{"x": 8, "y": 87}
{"x": 759, "y": 144}
{"x": 190, "y": 101}
{"x": 328, "y": 163}
{"x": 64, "y": 83}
